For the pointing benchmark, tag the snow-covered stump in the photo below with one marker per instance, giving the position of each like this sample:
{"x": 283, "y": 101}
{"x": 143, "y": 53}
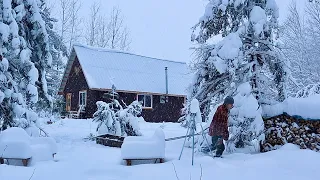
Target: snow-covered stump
{"x": 285, "y": 129}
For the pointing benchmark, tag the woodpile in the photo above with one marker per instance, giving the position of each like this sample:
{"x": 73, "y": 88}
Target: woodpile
{"x": 284, "y": 129}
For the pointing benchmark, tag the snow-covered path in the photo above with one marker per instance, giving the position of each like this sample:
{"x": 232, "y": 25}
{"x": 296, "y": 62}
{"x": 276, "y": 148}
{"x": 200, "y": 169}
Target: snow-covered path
{"x": 85, "y": 160}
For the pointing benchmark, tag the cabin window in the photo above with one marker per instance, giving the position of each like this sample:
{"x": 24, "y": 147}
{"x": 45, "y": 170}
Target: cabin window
{"x": 82, "y": 98}
{"x": 146, "y": 100}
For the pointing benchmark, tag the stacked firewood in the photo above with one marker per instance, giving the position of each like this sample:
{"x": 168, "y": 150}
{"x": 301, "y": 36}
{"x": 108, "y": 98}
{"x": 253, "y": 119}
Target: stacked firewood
{"x": 284, "y": 129}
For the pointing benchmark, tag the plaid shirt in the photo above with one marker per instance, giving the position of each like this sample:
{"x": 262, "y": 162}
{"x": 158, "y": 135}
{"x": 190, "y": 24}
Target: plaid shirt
{"x": 219, "y": 124}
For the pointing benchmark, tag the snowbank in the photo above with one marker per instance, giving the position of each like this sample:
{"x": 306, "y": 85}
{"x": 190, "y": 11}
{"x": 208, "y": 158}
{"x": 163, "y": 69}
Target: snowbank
{"x": 139, "y": 147}
{"x": 306, "y": 108}
{"x": 46, "y": 141}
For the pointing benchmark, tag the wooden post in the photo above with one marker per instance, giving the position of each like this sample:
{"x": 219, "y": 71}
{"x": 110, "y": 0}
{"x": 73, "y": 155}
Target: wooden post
{"x": 128, "y": 162}
{"x": 25, "y": 162}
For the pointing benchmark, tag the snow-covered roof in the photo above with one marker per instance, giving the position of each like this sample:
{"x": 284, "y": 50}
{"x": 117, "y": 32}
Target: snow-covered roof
{"x": 128, "y": 72}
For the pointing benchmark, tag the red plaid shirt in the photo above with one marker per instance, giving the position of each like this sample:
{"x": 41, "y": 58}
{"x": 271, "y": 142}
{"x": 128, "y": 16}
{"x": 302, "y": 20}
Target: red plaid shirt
{"x": 219, "y": 124}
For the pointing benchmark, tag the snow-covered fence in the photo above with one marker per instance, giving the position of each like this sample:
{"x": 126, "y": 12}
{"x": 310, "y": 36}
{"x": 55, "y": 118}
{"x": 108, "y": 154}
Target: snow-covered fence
{"x": 283, "y": 129}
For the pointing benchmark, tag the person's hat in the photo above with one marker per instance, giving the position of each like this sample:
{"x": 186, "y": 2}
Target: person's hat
{"x": 228, "y": 100}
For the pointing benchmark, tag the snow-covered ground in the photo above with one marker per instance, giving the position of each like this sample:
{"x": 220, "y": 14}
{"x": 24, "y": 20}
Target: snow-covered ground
{"x": 85, "y": 160}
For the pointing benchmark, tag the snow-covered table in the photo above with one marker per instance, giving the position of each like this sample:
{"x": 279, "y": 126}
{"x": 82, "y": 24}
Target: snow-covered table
{"x": 144, "y": 148}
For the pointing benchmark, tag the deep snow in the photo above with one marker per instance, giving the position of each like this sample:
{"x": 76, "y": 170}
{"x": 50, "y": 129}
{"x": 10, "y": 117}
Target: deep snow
{"x": 85, "y": 160}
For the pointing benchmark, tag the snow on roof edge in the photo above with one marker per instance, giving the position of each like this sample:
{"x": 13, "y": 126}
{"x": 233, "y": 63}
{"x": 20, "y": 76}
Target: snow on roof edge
{"x": 123, "y": 52}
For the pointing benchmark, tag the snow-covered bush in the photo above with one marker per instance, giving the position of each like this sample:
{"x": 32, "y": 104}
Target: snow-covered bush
{"x": 123, "y": 122}
{"x": 108, "y": 124}
{"x": 245, "y": 121}
{"x": 129, "y": 120}
{"x": 310, "y": 90}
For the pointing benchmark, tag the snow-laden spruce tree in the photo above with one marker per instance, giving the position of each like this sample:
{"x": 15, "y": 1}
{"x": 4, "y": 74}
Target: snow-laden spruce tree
{"x": 24, "y": 58}
{"x": 245, "y": 64}
{"x": 59, "y": 52}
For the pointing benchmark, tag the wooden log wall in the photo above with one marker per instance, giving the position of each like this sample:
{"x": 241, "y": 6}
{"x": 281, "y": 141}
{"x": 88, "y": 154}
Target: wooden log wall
{"x": 284, "y": 129}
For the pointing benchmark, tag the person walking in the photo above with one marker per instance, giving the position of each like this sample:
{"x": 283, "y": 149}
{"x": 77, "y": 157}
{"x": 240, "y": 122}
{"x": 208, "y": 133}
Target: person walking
{"x": 218, "y": 129}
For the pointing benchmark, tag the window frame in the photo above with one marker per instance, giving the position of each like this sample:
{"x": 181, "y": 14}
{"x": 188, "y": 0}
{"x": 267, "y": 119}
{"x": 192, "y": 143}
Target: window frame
{"x": 85, "y": 99}
{"x": 144, "y": 100}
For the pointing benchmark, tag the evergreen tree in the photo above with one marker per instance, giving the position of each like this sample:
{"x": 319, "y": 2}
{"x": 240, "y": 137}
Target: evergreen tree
{"x": 24, "y": 58}
{"x": 58, "y": 51}
{"x": 245, "y": 64}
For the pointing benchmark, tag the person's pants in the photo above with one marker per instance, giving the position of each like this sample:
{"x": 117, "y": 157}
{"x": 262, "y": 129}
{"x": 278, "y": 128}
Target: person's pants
{"x": 217, "y": 143}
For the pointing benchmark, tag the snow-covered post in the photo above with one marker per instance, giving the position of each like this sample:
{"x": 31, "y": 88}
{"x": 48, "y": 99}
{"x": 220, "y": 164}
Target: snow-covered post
{"x": 193, "y": 118}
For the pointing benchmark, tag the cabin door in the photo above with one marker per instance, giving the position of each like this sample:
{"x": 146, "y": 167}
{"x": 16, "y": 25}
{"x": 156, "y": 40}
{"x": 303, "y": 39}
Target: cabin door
{"x": 68, "y": 102}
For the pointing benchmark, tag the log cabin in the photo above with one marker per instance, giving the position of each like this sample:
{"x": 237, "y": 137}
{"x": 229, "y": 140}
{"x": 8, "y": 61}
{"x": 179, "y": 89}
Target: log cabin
{"x": 160, "y": 85}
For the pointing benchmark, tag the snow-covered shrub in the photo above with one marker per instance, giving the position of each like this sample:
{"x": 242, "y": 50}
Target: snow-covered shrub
{"x": 108, "y": 124}
{"x": 245, "y": 121}
{"x": 120, "y": 122}
{"x": 310, "y": 90}
{"x": 129, "y": 120}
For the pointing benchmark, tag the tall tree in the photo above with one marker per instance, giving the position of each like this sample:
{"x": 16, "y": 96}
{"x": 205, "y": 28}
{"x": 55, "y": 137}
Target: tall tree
{"x": 64, "y": 18}
{"x": 119, "y": 35}
{"x": 107, "y": 31}
{"x": 300, "y": 37}
{"x": 25, "y": 56}
{"x": 240, "y": 65}
{"x": 58, "y": 51}
{"x": 74, "y": 23}
{"x": 92, "y": 25}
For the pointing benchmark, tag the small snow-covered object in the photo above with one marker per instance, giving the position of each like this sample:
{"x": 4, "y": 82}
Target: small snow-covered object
{"x": 194, "y": 107}
{"x": 140, "y": 147}
{"x": 15, "y": 143}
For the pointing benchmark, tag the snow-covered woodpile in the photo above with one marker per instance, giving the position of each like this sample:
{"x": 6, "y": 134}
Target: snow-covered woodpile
{"x": 284, "y": 129}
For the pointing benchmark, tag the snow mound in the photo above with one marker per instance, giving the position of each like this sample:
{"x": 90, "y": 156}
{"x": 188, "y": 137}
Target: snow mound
{"x": 15, "y": 143}
{"x": 289, "y": 147}
{"x": 33, "y": 131}
{"x": 231, "y": 47}
{"x": 41, "y": 152}
{"x": 258, "y": 18}
{"x": 195, "y": 108}
{"x": 139, "y": 147}
{"x": 47, "y": 141}
{"x": 306, "y": 108}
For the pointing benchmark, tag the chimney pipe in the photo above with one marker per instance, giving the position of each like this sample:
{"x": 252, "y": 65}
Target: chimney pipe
{"x": 166, "y": 70}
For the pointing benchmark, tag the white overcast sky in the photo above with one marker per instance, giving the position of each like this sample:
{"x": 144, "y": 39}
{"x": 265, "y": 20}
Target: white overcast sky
{"x": 160, "y": 28}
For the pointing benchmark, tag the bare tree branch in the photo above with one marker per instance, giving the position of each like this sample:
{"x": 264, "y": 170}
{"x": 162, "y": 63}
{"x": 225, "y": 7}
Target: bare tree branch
{"x": 108, "y": 31}
{"x": 93, "y": 24}
{"x": 74, "y": 23}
